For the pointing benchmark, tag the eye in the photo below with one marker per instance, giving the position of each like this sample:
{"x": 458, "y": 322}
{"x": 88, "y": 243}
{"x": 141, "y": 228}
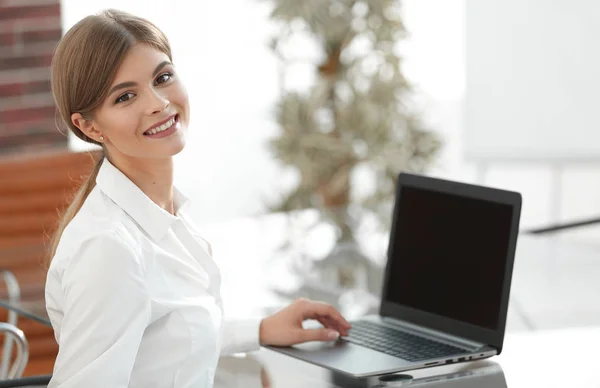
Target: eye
{"x": 164, "y": 77}
{"x": 124, "y": 97}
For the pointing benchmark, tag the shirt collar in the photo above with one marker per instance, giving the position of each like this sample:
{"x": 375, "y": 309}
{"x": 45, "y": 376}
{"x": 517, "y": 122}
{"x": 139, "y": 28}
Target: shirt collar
{"x": 121, "y": 190}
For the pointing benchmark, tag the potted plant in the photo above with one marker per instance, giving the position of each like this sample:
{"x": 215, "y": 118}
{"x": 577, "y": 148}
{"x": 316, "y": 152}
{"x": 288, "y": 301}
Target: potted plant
{"x": 357, "y": 115}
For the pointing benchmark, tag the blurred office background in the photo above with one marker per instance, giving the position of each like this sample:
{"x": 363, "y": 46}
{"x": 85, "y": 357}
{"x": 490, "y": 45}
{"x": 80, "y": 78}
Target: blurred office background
{"x": 530, "y": 125}
{"x": 509, "y": 87}
{"x": 528, "y": 82}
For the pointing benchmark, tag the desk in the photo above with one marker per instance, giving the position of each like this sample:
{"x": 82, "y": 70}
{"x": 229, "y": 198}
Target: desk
{"x": 269, "y": 369}
{"x": 552, "y": 358}
{"x": 556, "y": 283}
{"x": 546, "y": 358}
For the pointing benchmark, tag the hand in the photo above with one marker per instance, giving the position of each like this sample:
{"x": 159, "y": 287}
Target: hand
{"x": 284, "y": 328}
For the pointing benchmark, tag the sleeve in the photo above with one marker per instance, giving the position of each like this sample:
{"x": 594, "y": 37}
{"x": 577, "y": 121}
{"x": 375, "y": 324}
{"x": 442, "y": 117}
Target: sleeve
{"x": 240, "y": 335}
{"x": 106, "y": 309}
{"x": 237, "y": 335}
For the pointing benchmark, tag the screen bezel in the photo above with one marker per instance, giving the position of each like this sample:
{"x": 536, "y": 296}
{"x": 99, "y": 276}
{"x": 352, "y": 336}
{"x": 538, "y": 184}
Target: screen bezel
{"x": 494, "y": 338}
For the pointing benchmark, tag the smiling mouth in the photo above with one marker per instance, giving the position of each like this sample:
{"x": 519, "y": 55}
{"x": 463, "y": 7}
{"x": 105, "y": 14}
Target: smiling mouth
{"x": 162, "y": 127}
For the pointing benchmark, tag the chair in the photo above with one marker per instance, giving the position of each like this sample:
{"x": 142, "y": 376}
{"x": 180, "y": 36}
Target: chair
{"x": 14, "y": 375}
{"x": 22, "y": 349}
{"x": 14, "y": 294}
{"x": 34, "y": 188}
{"x": 15, "y": 379}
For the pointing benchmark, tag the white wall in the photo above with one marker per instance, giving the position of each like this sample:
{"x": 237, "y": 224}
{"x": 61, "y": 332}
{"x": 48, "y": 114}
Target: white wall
{"x": 532, "y": 79}
{"x": 436, "y": 61}
{"x": 532, "y": 82}
{"x": 220, "y": 50}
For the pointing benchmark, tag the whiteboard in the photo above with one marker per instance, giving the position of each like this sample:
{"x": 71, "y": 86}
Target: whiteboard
{"x": 532, "y": 80}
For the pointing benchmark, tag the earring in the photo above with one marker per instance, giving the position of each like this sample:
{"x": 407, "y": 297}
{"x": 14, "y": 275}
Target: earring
{"x": 101, "y": 138}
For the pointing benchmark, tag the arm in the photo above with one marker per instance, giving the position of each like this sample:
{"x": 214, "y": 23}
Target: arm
{"x": 106, "y": 309}
{"x": 237, "y": 335}
{"x": 240, "y": 335}
{"x": 284, "y": 328}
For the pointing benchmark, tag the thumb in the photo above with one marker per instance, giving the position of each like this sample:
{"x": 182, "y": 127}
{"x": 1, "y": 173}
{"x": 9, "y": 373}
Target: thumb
{"x": 319, "y": 335}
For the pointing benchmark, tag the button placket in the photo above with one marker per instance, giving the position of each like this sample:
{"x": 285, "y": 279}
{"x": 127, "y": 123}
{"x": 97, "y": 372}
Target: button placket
{"x": 201, "y": 256}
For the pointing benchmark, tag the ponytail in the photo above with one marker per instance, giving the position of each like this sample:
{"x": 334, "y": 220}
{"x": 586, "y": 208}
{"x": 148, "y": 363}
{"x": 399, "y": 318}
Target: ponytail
{"x": 77, "y": 201}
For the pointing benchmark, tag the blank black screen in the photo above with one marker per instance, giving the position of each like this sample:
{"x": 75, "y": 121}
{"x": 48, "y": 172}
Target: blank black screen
{"x": 449, "y": 255}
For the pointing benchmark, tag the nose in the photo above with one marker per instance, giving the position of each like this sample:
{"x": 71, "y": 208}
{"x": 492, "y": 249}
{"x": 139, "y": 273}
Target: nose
{"x": 157, "y": 103}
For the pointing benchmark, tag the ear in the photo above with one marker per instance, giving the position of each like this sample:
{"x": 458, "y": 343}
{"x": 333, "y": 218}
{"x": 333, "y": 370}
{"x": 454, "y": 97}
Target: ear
{"x": 86, "y": 126}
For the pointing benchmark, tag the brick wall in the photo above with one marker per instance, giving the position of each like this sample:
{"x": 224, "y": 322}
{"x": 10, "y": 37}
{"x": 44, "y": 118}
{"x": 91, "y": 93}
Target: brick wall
{"x": 29, "y": 32}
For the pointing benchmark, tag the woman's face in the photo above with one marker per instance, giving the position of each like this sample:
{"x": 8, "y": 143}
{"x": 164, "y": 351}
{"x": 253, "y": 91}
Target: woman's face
{"x": 146, "y": 112}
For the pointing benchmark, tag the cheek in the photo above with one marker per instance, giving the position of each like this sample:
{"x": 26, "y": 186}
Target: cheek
{"x": 179, "y": 96}
{"x": 121, "y": 124}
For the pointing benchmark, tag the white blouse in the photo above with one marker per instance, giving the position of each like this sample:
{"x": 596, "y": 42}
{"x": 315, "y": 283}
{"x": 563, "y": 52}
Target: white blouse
{"x": 134, "y": 295}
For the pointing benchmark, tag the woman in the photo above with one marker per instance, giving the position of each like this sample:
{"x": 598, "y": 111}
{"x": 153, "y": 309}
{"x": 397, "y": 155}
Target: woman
{"x": 132, "y": 291}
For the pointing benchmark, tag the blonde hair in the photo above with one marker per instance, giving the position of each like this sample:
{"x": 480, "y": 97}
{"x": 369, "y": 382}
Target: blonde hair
{"x": 84, "y": 65}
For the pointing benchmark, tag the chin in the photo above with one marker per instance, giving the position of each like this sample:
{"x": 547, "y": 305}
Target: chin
{"x": 173, "y": 148}
{"x": 178, "y": 150}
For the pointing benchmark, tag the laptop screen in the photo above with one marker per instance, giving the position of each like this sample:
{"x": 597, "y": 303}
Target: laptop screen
{"x": 449, "y": 255}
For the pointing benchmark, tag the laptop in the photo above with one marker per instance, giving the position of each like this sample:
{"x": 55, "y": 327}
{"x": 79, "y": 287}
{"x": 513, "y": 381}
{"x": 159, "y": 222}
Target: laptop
{"x": 446, "y": 284}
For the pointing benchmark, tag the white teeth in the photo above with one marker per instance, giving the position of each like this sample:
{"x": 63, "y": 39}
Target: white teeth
{"x": 163, "y": 127}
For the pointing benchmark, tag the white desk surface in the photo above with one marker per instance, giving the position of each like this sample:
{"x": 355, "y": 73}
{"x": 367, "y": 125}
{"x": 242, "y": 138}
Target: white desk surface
{"x": 552, "y": 358}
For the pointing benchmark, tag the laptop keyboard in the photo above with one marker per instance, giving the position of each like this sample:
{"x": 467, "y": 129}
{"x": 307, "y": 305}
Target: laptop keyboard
{"x": 398, "y": 343}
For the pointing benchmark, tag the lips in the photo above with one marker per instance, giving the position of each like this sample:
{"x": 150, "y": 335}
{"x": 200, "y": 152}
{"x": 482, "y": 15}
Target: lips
{"x": 162, "y": 125}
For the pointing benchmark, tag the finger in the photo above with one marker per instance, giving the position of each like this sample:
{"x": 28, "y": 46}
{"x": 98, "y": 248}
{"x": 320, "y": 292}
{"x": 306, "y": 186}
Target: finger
{"x": 332, "y": 324}
{"x": 318, "y": 335}
{"x": 315, "y": 310}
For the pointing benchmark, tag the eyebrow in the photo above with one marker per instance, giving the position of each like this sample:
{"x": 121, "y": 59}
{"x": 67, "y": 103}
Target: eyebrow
{"x": 129, "y": 84}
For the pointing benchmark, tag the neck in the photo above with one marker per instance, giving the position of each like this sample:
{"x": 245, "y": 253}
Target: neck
{"x": 153, "y": 176}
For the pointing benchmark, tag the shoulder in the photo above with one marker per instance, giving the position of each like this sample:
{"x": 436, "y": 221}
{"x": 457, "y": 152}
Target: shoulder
{"x": 104, "y": 261}
{"x": 109, "y": 248}
{"x": 100, "y": 228}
